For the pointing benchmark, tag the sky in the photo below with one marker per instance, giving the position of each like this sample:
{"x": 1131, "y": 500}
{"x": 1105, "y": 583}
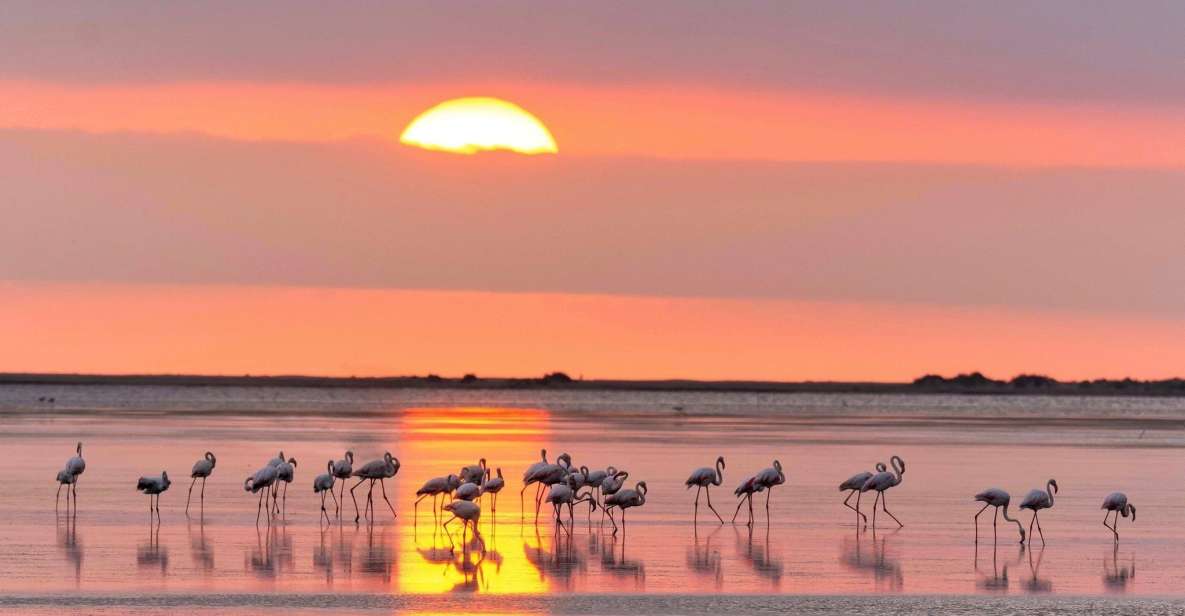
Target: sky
{"x": 783, "y": 190}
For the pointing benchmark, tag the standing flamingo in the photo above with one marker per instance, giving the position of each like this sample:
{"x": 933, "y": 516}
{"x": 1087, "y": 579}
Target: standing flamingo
{"x": 995, "y": 497}
{"x": 609, "y": 486}
{"x": 548, "y": 475}
{"x": 745, "y": 492}
{"x": 527, "y": 481}
{"x": 261, "y": 481}
{"x": 624, "y": 499}
{"x": 375, "y": 470}
{"x": 475, "y": 473}
{"x": 1038, "y": 500}
{"x": 341, "y": 470}
{"x": 75, "y": 466}
{"x": 493, "y": 487}
{"x": 469, "y": 514}
{"x": 1117, "y": 502}
{"x": 285, "y": 472}
{"x": 65, "y": 478}
{"x": 153, "y": 486}
{"x": 883, "y": 481}
{"x": 703, "y": 479}
{"x": 768, "y": 478}
{"x": 201, "y": 469}
{"x": 434, "y": 487}
{"x": 323, "y": 484}
{"x": 853, "y": 485}
{"x": 468, "y": 491}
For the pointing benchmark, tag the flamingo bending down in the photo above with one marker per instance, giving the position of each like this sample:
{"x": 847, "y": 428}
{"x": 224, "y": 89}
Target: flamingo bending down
{"x": 434, "y": 487}
{"x": 285, "y": 472}
{"x": 611, "y": 485}
{"x": 65, "y": 478}
{"x": 493, "y": 486}
{"x": 323, "y": 484}
{"x": 261, "y": 481}
{"x": 745, "y": 491}
{"x": 566, "y": 493}
{"x": 469, "y": 513}
{"x": 853, "y": 485}
{"x": 153, "y": 486}
{"x": 768, "y": 478}
{"x": 341, "y": 470}
{"x": 201, "y": 469}
{"x": 468, "y": 491}
{"x": 1038, "y": 500}
{"x": 624, "y": 499}
{"x": 883, "y": 481}
{"x": 1117, "y": 502}
{"x": 995, "y": 497}
{"x": 375, "y": 470}
{"x": 703, "y": 479}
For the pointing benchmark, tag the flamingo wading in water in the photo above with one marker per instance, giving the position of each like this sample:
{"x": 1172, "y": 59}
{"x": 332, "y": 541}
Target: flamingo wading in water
{"x": 624, "y": 499}
{"x": 703, "y": 479}
{"x": 1116, "y": 502}
{"x": 1038, "y": 500}
{"x": 493, "y": 486}
{"x": 201, "y": 469}
{"x": 342, "y": 470}
{"x": 995, "y": 497}
{"x": 323, "y": 484}
{"x": 153, "y": 486}
{"x": 883, "y": 481}
{"x": 375, "y": 470}
{"x": 853, "y": 485}
{"x": 768, "y": 478}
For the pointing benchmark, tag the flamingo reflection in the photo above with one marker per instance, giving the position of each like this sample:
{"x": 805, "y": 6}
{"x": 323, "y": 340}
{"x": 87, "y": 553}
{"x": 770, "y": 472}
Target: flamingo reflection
{"x": 378, "y": 559}
{"x": 998, "y": 581}
{"x": 1035, "y": 584}
{"x": 886, "y": 571}
{"x": 705, "y": 560}
{"x": 760, "y": 557}
{"x": 150, "y": 554}
{"x": 68, "y": 541}
{"x": 558, "y": 565}
{"x": 617, "y": 565}
{"x": 199, "y": 547}
{"x": 1116, "y": 575}
{"x": 272, "y": 555}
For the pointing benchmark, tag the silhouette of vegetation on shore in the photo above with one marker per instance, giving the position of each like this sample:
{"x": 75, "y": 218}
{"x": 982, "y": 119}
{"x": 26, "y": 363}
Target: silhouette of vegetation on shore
{"x": 968, "y": 383}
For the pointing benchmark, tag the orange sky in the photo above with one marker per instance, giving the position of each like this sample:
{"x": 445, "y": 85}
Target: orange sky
{"x": 285, "y": 330}
{"x": 667, "y": 121}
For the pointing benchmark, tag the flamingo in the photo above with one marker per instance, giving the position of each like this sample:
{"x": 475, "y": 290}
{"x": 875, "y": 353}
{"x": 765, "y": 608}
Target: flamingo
{"x": 285, "y": 472}
{"x": 1117, "y": 502}
{"x": 597, "y": 477}
{"x": 883, "y": 481}
{"x": 1038, "y": 500}
{"x": 768, "y": 478}
{"x": 611, "y": 485}
{"x": 375, "y": 470}
{"x": 745, "y": 492}
{"x": 153, "y": 486}
{"x": 262, "y": 480}
{"x": 323, "y": 484}
{"x": 995, "y": 497}
{"x": 475, "y": 473}
{"x": 435, "y": 487}
{"x": 565, "y": 493}
{"x": 493, "y": 486}
{"x": 468, "y": 491}
{"x": 65, "y": 478}
{"x": 853, "y": 485}
{"x": 703, "y": 478}
{"x": 624, "y": 499}
{"x": 201, "y": 469}
{"x": 469, "y": 514}
{"x": 75, "y": 466}
{"x": 278, "y": 460}
{"x": 549, "y": 475}
{"x": 527, "y": 481}
{"x": 341, "y": 470}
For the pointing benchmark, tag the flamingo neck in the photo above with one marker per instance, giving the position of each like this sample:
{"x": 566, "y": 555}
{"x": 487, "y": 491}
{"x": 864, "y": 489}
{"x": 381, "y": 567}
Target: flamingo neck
{"x": 1049, "y": 491}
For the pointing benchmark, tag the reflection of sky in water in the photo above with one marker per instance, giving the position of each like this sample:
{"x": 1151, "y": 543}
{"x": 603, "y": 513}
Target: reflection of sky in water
{"x": 110, "y": 547}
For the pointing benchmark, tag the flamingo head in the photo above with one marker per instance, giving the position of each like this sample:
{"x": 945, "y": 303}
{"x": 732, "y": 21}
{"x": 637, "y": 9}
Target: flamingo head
{"x": 292, "y": 461}
{"x": 350, "y": 456}
{"x": 1053, "y": 484}
{"x": 79, "y": 448}
{"x": 898, "y": 464}
{"x": 499, "y": 471}
{"x": 720, "y": 461}
{"x": 247, "y": 484}
{"x": 564, "y": 460}
{"x": 1132, "y": 508}
{"x": 482, "y": 462}
{"x": 642, "y": 487}
{"x": 211, "y": 458}
{"x": 880, "y": 467}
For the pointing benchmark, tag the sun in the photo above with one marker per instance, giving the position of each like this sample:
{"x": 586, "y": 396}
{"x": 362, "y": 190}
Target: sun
{"x": 476, "y": 124}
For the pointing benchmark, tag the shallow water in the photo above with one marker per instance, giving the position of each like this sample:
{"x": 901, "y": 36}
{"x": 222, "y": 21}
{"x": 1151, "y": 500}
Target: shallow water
{"x": 109, "y": 557}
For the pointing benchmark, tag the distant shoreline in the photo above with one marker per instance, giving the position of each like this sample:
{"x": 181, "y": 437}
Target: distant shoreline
{"x": 974, "y": 383}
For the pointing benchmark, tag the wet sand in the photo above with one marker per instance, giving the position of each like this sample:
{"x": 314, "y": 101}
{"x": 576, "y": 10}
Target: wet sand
{"x": 807, "y": 555}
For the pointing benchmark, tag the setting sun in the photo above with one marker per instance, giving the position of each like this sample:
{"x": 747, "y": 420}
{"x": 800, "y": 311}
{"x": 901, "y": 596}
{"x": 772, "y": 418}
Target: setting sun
{"x": 476, "y": 124}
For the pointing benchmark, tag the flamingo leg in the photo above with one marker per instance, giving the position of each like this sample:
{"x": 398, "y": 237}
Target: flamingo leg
{"x": 323, "y": 514}
{"x": 708, "y": 495}
{"x": 259, "y": 509}
{"x": 203, "y": 494}
{"x": 1115, "y": 526}
{"x": 986, "y": 505}
{"x": 343, "y": 497}
{"x": 995, "y": 518}
{"x": 57, "y": 497}
{"x": 740, "y": 503}
{"x": 858, "y": 495}
{"x": 383, "y": 485}
{"x": 355, "y": 499}
{"x": 768, "y": 492}
{"x": 886, "y": 510}
{"x": 190, "y": 496}
{"x": 1039, "y": 531}
{"x": 847, "y": 502}
{"x": 613, "y": 521}
{"x": 695, "y": 516}
{"x": 335, "y": 504}
{"x": 874, "y": 502}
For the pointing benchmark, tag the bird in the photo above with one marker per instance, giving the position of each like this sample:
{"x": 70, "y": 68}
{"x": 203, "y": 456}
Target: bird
{"x": 610, "y": 485}
{"x": 323, "y": 484}
{"x": 475, "y": 473}
{"x": 153, "y": 486}
{"x": 75, "y": 466}
{"x": 1117, "y": 502}
{"x": 65, "y": 478}
{"x": 702, "y": 479}
{"x": 549, "y": 475}
{"x": 566, "y": 493}
{"x": 376, "y": 470}
{"x": 1038, "y": 500}
{"x": 597, "y": 477}
{"x": 493, "y": 486}
{"x": 883, "y": 481}
{"x": 768, "y": 478}
{"x": 995, "y": 497}
{"x": 261, "y": 481}
{"x": 434, "y": 487}
{"x": 469, "y": 513}
{"x": 624, "y": 499}
{"x": 285, "y": 472}
{"x": 531, "y": 470}
{"x": 853, "y": 485}
{"x": 201, "y": 469}
{"x": 341, "y": 470}
{"x": 745, "y": 492}
{"x": 468, "y": 491}
{"x": 278, "y": 460}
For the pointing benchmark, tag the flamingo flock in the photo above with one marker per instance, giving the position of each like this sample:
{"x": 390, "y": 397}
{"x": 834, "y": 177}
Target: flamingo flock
{"x": 564, "y": 485}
